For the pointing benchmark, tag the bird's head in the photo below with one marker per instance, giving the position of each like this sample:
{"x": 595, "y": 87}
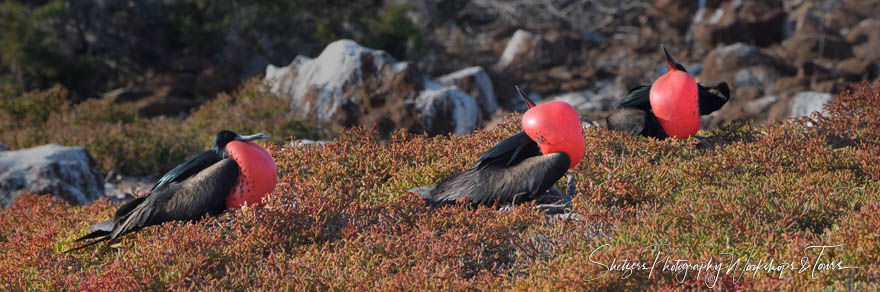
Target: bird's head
{"x": 257, "y": 173}
{"x": 225, "y": 136}
{"x": 556, "y": 127}
{"x": 674, "y": 100}
{"x": 673, "y": 66}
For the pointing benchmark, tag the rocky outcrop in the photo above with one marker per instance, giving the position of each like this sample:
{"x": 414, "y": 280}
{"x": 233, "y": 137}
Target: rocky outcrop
{"x": 523, "y": 48}
{"x": 755, "y": 22}
{"x": 475, "y": 82}
{"x": 582, "y": 101}
{"x": 349, "y": 85}
{"x": 443, "y": 109}
{"x": 855, "y": 69}
{"x": 806, "y": 103}
{"x": 812, "y": 39}
{"x": 742, "y": 65}
{"x": 865, "y": 38}
{"x": 69, "y": 173}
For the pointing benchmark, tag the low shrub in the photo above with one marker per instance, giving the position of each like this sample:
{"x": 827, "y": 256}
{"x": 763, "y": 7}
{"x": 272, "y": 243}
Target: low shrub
{"x": 340, "y": 218}
{"x": 119, "y": 139}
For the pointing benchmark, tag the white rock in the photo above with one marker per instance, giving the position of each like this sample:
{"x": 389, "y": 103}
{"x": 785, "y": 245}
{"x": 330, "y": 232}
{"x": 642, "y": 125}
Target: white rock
{"x": 341, "y": 64}
{"x": 522, "y": 46}
{"x": 307, "y": 142}
{"x": 447, "y": 109}
{"x": 761, "y": 104}
{"x": 805, "y": 103}
{"x": 476, "y": 82}
{"x": 69, "y": 173}
{"x": 582, "y": 101}
{"x": 762, "y": 77}
{"x": 352, "y": 85}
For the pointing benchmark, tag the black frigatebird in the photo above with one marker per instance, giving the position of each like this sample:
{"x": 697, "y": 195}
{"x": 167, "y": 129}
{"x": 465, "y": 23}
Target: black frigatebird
{"x": 521, "y": 167}
{"x": 233, "y": 172}
{"x": 671, "y": 106}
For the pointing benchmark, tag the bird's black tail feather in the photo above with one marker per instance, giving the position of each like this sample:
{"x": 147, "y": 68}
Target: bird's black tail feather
{"x": 94, "y": 234}
{"x": 100, "y": 237}
{"x": 101, "y": 231}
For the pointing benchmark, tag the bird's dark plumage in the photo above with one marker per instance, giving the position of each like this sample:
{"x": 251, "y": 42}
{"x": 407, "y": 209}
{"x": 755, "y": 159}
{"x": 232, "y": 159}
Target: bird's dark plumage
{"x": 511, "y": 151}
{"x": 201, "y": 194}
{"x": 712, "y": 96}
{"x": 188, "y": 168}
{"x": 191, "y": 190}
{"x": 634, "y": 113}
{"x": 512, "y": 171}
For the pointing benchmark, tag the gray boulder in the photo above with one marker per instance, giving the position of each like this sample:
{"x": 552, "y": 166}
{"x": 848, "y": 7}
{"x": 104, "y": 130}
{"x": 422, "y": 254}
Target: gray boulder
{"x": 349, "y": 85}
{"x": 805, "y": 103}
{"x": 583, "y": 101}
{"x": 742, "y": 65}
{"x": 69, "y": 173}
{"x": 446, "y": 109}
{"x": 475, "y": 82}
{"x": 523, "y": 48}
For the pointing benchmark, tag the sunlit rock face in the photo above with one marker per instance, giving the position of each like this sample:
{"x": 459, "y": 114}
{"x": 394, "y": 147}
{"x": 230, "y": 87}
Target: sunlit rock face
{"x": 349, "y": 85}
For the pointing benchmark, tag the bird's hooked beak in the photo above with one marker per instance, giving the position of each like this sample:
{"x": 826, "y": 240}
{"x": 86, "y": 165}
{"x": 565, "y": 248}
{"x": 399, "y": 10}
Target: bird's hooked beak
{"x": 524, "y": 98}
{"x": 252, "y": 137}
{"x": 669, "y": 59}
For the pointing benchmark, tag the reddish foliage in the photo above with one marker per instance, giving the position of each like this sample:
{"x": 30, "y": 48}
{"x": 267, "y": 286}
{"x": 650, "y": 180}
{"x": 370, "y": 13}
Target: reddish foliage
{"x": 340, "y": 217}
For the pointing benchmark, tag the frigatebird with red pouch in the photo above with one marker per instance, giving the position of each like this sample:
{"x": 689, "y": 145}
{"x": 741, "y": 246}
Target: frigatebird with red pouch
{"x": 522, "y": 167}
{"x": 671, "y": 106}
{"x": 233, "y": 172}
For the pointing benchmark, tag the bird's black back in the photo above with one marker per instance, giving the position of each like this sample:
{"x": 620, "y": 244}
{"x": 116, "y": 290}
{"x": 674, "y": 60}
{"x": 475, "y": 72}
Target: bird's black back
{"x": 638, "y": 97}
{"x": 188, "y": 168}
{"x": 188, "y": 199}
{"x": 634, "y": 113}
{"x": 637, "y": 122}
{"x": 712, "y": 96}
{"x": 510, "y": 151}
{"x": 512, "y": 171}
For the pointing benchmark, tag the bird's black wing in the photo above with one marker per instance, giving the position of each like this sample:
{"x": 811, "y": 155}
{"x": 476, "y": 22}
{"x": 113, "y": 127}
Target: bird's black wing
{"x": 498, "y": 184}
{"x": 202, "y": 193}
{"x": 187, "y": 168}
{"x": 190, "y": 199}
{"x": 713, "y": 96}
{"x": 510, "y": 151}
{"x": 638, "y": 97}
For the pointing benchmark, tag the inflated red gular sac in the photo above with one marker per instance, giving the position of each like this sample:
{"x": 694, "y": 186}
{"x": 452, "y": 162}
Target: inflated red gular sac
{"x": 556, "y": 127}
{"x": 675, "y": 101}
{"x": 520, "y": 168}
{"x": 257, "y": 174}
{"x": 669, "y": 107}
{"x": 234, "y": 172}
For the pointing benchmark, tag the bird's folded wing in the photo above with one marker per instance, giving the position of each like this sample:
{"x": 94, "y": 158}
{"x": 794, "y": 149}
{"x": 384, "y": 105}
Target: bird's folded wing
{"x": 638, "y": 97}
{"x": 187, "y": 168}
{"x": 713, "y": 96}
{"x": 532, "y": 176}
{"x": 510, "y": 151}
{"x": 202, "y": 193}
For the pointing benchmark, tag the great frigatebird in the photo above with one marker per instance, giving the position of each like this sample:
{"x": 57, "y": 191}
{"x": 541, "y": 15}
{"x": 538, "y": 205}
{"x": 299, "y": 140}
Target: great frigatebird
{"x": 671, "y": 106}
{"x": 232, "y": 172}
{"x": 521, "y": 167}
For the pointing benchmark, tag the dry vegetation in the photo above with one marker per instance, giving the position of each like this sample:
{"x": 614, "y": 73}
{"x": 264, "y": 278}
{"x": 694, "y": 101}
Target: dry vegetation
{"x": 119, "y": 139}
{"x": 341, "y": 219}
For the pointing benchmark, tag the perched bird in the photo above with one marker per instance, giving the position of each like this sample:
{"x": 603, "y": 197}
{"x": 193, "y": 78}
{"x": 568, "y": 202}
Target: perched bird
{"x": 671, "y": 107}
{"x": 233, "y": 172}
{"x": 521, "y": 167}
